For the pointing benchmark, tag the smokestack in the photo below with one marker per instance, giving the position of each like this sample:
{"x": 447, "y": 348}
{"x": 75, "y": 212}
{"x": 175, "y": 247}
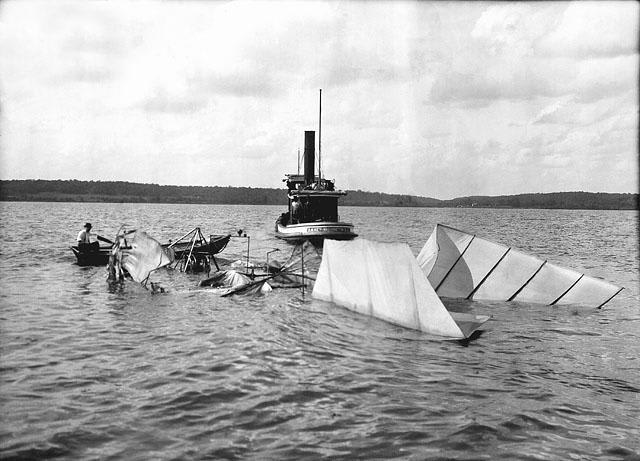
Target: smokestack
{"x": 309, "y": 157}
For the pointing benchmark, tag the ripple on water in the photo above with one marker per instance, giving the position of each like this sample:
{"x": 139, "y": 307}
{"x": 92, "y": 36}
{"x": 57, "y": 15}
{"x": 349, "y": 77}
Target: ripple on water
{"x": 90, "y": 371}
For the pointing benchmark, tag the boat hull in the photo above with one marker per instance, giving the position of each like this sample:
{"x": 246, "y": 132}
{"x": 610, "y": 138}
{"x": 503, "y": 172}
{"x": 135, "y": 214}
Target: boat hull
{"x": 315, "y": 231}
{"x": 215, "y": 245}
{"x": 92, "y": 258}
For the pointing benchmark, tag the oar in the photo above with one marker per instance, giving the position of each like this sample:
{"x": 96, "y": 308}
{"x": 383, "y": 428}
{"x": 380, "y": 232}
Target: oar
{"x": 106, "y": 240}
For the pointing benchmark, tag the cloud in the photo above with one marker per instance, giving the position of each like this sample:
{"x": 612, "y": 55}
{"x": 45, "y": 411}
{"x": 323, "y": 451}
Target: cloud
{"x": 513, "y": 28}
{"x": 523, "y": 83}
{"x": 554, "y": 113}
{"x": 594, "y": 29}
{"x": 162, "y": 101}
{"x": 601, "y": 78}
{"x": 86, "y": 74}
{"x": 529, "y": 78}
{"x": 253, "y": 82}
{"x": 430, "y": 98}
{"x": 575, "y": 30}
{"x": 496, "y": 60}
{"x": 576, "y": 112}
{"x": 529, "y": 51}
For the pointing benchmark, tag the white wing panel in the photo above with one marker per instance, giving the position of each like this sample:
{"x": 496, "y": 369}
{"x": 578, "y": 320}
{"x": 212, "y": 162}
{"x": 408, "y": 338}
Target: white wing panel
{"x": 508, "y": 277}
{"x": 590, "y": 291}
{"x": 460, "y": 265}
{"x": 451, "y": 243}
{"x": 384, "y": 280}
{"x": 467, "y": 273}
{"x": 549, "y": 284}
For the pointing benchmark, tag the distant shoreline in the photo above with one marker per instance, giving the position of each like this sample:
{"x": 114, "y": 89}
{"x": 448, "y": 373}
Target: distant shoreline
{"x": 10, "y": 200}
{"x": 126, "y": 192}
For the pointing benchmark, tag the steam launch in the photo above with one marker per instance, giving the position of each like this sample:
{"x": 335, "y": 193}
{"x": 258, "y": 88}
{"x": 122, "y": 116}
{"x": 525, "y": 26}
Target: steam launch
{"x": 313, "y": 200}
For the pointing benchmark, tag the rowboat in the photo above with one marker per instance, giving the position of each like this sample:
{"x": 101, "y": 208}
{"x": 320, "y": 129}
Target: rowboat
{"x": 92, "y": 258}
{"x": 197, "y": 249}
{"x": 213, "y": 246}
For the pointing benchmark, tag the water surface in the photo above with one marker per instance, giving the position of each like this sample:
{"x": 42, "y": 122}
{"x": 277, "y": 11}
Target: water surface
{"x": 92, "y": 372}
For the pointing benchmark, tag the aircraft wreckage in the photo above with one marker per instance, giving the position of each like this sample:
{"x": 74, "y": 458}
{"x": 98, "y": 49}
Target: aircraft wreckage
{"x": 385, "y": 280}
{"x": 462, "y": 265}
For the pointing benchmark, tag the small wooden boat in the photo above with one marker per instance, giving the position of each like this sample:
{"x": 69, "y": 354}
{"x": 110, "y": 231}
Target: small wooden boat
{"x": 193, "y": 252}
{"x": 213, "y": 246}
{"x": 198, "y": 249}
{"x": 92, "y": 258}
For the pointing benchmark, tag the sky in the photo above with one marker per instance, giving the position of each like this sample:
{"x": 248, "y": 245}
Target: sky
{"x": 438, "y": 99}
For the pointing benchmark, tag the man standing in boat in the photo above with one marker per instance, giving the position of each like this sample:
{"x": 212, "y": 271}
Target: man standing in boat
{"x": 84, "y": 240}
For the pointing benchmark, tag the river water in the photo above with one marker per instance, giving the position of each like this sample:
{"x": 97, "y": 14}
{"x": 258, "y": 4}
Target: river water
{"x": 92, "y": 372}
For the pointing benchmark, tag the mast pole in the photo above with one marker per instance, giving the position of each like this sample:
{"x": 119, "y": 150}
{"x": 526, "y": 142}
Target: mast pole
{"x": 320, "y": 141}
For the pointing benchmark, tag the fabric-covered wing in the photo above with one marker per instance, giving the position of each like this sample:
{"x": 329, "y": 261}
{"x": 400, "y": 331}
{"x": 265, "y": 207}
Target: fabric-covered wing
{"x": 515, "y": 269}
{"x": 590, "y": 291}
{"x": 142, "y": 256}
{"x": 441, "y": 252}
{"x": 461, "y": 265}
{"x": 341, "y": 278}
{"x": 548, "y": 285}
{"x": 383, "y": 280}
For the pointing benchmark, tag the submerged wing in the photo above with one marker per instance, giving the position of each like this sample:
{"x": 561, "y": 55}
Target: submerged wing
{"x": 461, "y": 265}
{"x": 142, "y": 255}
{"x": 383, "y": 280}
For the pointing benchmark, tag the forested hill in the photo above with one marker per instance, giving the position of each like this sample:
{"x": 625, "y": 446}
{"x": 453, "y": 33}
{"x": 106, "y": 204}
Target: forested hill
{"x": 566, "y": 200}
{"x": 110, "y": 191}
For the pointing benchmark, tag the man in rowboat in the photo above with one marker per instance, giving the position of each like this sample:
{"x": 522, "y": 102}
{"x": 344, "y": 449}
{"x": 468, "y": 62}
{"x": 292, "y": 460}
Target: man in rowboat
{"x": 84, "y": 240}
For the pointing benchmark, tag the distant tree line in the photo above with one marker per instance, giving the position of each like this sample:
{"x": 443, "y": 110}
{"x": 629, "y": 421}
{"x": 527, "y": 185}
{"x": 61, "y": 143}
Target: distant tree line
{"x": 361, "y": 198}
{"x": 119, "y": 191}
{"x": 564, "y": 200}
{"x": 128, "y": 192}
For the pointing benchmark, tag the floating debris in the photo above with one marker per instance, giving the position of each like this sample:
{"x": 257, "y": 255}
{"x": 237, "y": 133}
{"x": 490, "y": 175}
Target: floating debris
{"x": 298, "y": 272}
{"x": 194, "y": 253}
{"x": 137, "y": 255}
{"x": 462, "y": 265}
{"x": 383, "y": 280}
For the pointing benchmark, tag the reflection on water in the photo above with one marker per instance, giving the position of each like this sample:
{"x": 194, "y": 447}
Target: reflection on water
{"x": 89, "y": 371}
